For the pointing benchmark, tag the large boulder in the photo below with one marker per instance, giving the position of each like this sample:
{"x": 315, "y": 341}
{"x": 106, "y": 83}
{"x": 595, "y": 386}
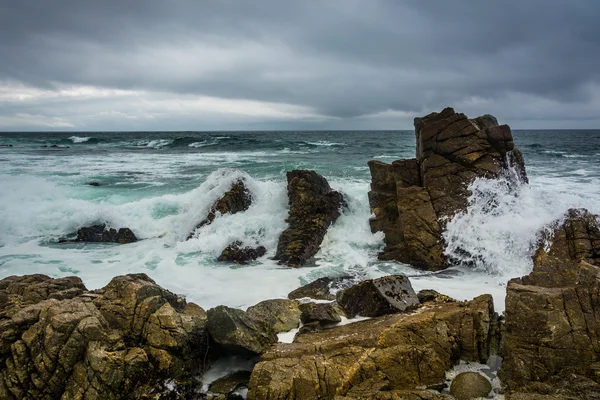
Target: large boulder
{"x": 470, "y": 385}
{"x": 321, "y": 289}
{"x": 236, "y": 199}
{"x": 102, "y": 234}
{"x": 553, "y": 314}
{"x": 375, "y": 297}
{"x": 314, "y": 206}
{"x": 413, "y": 199}
{"x": 382, "y": 357}
{"x": 123, "y": 341}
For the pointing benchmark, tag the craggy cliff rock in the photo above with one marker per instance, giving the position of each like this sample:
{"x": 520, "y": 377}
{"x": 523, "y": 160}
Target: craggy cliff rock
{"x": 124, "y": 341}
{"x": 236, "y": 199}
{"x": 314, "y": 206}
{"x": 378, "y": 358}
{"x": 552, "y": 343}
{"x": 412, "y": 199}
{"x": 99, "y": 233}
{"x": 241, "y": 255}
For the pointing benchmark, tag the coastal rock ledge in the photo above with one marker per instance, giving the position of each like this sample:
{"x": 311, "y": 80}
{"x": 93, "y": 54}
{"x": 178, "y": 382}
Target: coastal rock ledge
{"x": 60, "y": 341}
{"x": 412, "y": 199}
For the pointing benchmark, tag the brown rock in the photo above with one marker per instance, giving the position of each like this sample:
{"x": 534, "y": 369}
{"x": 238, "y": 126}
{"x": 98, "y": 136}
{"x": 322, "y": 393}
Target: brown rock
{"x": 320, "y": 289}
{"x": 375, "y": 297}
{"x": 241, "y": 255}
{"x": 413, "y": 199}
{"x": 322, "y": 313}
{"x": 59, "y": 341}
{"x": 314, "y": 206}
{"x": 470, "y": 385}
{"x": 235, "y": 200}
{"x": 553, "y": 314}
{"x": 404, "y": 350}
{"x": 281, "y": 315}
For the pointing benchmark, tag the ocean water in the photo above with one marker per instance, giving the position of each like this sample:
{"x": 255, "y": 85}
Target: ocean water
{"x": 161, "y": 184}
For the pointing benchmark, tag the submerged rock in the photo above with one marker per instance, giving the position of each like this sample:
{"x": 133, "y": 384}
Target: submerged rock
{"x": 413, "y": 199}
{"x": 390, "y": 355}
{"x": 241, "y": 255}
{"x": 100, "y": 234}
{"x": 314, "y": 206}
{"x": 123, "y": 341}
{"x": 372, "y": 298}
{"x": 236, "y": 199}
{"x": 552, "y": 314}
{"x": 93, "y": 184}
{"x": 470, "y": 386}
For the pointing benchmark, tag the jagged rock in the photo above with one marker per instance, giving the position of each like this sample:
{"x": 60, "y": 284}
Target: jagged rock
{"x": 99, "y": 233}
{"x": 235, "y": 200}
{"x": 320, "y": 289}
{"x": 413, "y": 199}
{"x": 314, "y": 206}
{"x": 241, "y": 255}
{"x": 281, "y": 315}
{"x": 322, "y": 313}
{"x": 405, "y": 350}
{"x": 553, "y": 314}
{"x": 375, "y": 297}
{"x": 123, "y": 341}
{"x": 470, "y": 385}
{"x": 238, "y": 332}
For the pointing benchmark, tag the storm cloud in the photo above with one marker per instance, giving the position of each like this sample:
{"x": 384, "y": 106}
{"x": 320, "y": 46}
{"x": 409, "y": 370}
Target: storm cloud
{"x": 201, "y": 65}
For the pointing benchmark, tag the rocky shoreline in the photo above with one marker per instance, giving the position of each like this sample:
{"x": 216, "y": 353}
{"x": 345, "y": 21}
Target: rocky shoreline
{"x": 333, "y": 338}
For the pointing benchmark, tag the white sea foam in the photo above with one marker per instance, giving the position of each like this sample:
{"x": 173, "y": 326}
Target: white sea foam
{"x": 203, "y": 143}
{"x": 324, "y": 143}
{"x": 77, "y": 139}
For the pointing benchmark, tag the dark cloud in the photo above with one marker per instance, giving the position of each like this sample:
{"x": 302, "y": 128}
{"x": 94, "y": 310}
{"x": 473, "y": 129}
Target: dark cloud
{"x": 321, "y": 64}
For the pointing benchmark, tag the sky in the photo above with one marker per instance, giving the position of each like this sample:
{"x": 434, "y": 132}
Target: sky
{"x": 78, "y": 65}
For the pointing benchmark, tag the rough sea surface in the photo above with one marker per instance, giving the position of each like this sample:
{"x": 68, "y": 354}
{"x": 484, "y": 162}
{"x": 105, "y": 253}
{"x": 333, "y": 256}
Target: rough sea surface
{"x": 161, "y": 184}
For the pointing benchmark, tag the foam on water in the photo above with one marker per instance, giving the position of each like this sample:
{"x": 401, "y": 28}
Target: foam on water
{"x": 77, "y": 139}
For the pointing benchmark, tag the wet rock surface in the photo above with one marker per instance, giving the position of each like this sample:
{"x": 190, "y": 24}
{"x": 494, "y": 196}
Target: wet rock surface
{"x": 281, "y": 315}
{"x": 58, "y": 340}
{"x": 102, "y": 234}
{"x": 383, "y": 356}
{"x": 321, "y": 289}
{"x": 372, "y": 298}
{"x": 469, "y": 386}
{"x": 225, "y": 388}
{"x": 321, "y": 313}
{"x": 314, "y": 206}
{"x": 412, "y": 199}
{"x": 236, "y": 199}
{"x": 553, "y": 314}
{"x": 241, "y": 255}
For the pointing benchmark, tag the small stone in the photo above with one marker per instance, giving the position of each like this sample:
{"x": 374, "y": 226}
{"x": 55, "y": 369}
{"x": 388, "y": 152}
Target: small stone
{"x": 241, "y": 255}
{"x": 470, "y": 385}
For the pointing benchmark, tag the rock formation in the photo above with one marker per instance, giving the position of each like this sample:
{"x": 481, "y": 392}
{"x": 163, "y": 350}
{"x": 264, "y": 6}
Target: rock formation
{"x": 235, "y": 200}
{"x": 255, "y": 330}
{"x": 314, "y": 206}
{"x": 552, "y": 341}
{"x": 57, "y": 340}
{"x": 241, "y": 255}
{"x": 320, "y": 289}
{"x": 378, "y": 358}
{"x": 375, "y": 297}
{"x": 413, "y": 199}
{"x": 102, "y": 234}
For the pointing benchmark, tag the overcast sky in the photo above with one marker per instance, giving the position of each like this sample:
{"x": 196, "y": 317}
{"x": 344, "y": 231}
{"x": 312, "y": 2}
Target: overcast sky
{"x": 276, "y": 64}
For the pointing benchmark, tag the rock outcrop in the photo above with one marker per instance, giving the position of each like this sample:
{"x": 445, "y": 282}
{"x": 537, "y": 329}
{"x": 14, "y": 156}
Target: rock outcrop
{"x": 241, "y": 255}
{"x": 552, "y": 341}
{"x": 413, "y": 199}
{"x": 384, "y": 357}
{"x": 102, "y": 234}
{"x": 314, "y": 206}
{"x": 321, "y": 289}
{"x": 375, "y": 297}
{"x": 58, "y": 340}
{"x": 236, "y": 199}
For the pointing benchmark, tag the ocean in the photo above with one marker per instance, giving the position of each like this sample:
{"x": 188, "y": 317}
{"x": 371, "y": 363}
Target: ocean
{"x": 161, "y": 184}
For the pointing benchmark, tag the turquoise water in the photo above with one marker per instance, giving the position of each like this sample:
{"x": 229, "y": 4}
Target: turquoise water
{"x": 161, "y": 184}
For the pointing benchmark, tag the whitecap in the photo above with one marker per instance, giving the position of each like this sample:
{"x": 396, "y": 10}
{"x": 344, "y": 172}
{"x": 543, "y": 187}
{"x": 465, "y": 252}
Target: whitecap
{"x": 77, "y": 139}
